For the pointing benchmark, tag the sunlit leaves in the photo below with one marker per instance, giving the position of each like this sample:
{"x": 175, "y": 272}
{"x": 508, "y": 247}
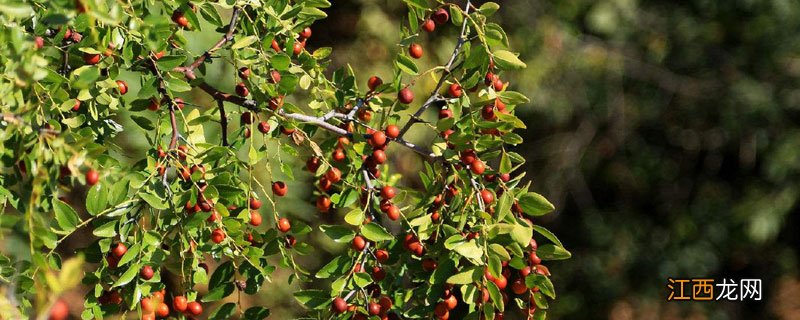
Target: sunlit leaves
{"x": 553, "y": 252}
{"x": 508, "y": 61}
{"x": 542, "y": 282}
{"x": 535, "y": 204}
{"x": 375, "y": 232}
{"x": 466, "y": 276}
{"x": 66, "y": 217}
{"x": 338, "y": 233}
{"x": 313, "y": 299}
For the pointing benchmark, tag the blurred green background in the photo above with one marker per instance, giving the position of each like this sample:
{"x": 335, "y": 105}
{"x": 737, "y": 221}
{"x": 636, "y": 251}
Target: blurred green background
{"x": 664, "y": 131}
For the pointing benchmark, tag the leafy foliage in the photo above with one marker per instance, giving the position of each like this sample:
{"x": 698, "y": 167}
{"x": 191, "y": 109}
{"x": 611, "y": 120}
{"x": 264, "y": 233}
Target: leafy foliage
{"x": 192, "y": 198}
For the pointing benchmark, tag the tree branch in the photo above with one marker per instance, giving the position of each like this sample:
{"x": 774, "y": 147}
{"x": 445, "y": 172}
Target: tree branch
{"x": 223, "y": 121}
{"x": 321, "y": 121}
{"x": 173, "y": 140}
{"x": 445, "y": 73}
{"x": 228, "y": 37}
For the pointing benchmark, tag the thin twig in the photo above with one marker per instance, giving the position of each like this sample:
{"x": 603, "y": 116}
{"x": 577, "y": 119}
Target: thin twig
{"x": 228, "y": 37}
{"x": 173, "y": 140}
{"x": 223, "y": 121}
{"x": 321, "y": 122}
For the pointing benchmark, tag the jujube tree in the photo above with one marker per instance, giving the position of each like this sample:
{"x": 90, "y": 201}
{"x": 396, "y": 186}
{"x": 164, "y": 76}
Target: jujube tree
{"x": 462, "y": 244}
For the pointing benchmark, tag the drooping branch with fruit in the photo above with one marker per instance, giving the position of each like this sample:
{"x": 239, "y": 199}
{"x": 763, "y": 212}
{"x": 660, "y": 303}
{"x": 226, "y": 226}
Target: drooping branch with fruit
{"x": 458, "y": 242}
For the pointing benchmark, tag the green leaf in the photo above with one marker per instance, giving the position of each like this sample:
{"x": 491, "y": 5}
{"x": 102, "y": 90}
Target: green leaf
{"x": 503, "y": 207}
{"x": 506, "y": 60}
{"x": 505, "y": 163}
{"x": 85, "y": 77}
{"x": 312, "y": 299}
{"x": 143, "y": 122}
{"x": 354, "y": 217}
{"x": 512, "y": 139}
{"x": 413, "y": 21}
{"x": 200, "y": 276}
{"x": 548, "y": 234}
{"x": 178, "y": 85}
{"x": 252, "y": 155}
{"x": 126, "y": 277}
{"x": 154, "y": 201}
{"x": 406, "y": 65}
{"x": 219, "y": 292}
{"x": 256, "y": 313}
{"x": 375, "y": 232}
{"x": 16, "y": 10}
{"x": 362, "y": 279}
{"x": 322, "y": 53}
{"x": 444, "y": 124}
{"x": 244, "y": 42}
{"x": 500, "y": 252}
{"x": 310, "y": 13}
{"x": 495, "y": 36}
{"x": 456, "y": 16}
{"x": 66, "y": 217}
{"x": 210, "y": 14}
{"x": 170, "y": 62}
{"x": 149, "y": 88}
{"x": 107, "y": 230}
{"x": 535, "y": 204}
{"x": 419, "y": 4}
{"x": 131, "y": 254}
{"x": 469, "y": 250}
{"x": 280, "y": 62}
{"x": 465, "y": 277}
{"x": 338, "y": 234}
{"x": 453, "y": 241}
{"x": 522, "y": 234}
{"x": 224, "y": 311}
{"x": 494, "y": 293}
{"x": 513, "y": 97}
{"x": 96, "y": 199}
{"x": 489, "y": 8}
{"x": 540, "y": 300}
{"x": 535, "y": 280}
{"x": 338, "y": 266}
{"x": 495, "y": 267}
{"x": 477, "y": 57}
{"x": 552, "y": 252}
{"x": 511, "y": 119}
{"x": 346, "y": 198}
{"x": 118, "y": 192}
{"x": 222, "y": 275}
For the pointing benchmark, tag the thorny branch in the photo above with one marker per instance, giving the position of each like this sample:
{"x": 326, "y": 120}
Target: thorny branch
{"x": 321, "y": 121}
{"x": 462, "y": 38}
{"x": 228, "y": 37}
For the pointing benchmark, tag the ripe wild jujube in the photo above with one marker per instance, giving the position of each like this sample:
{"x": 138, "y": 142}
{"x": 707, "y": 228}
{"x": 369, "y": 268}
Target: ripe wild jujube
{"x": 415, "y": 51}
{"x": 405, "y": 96}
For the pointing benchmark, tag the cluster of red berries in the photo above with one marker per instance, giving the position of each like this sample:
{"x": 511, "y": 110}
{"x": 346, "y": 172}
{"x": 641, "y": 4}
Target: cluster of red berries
{"x": 156, "y": 306}
{"x": 449, "y": 302}
{"x": 377, "y": 307}
{"x": 439, "y": 17}
{"x": 299, "y": 43}
{"x": 153, "y": 306}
